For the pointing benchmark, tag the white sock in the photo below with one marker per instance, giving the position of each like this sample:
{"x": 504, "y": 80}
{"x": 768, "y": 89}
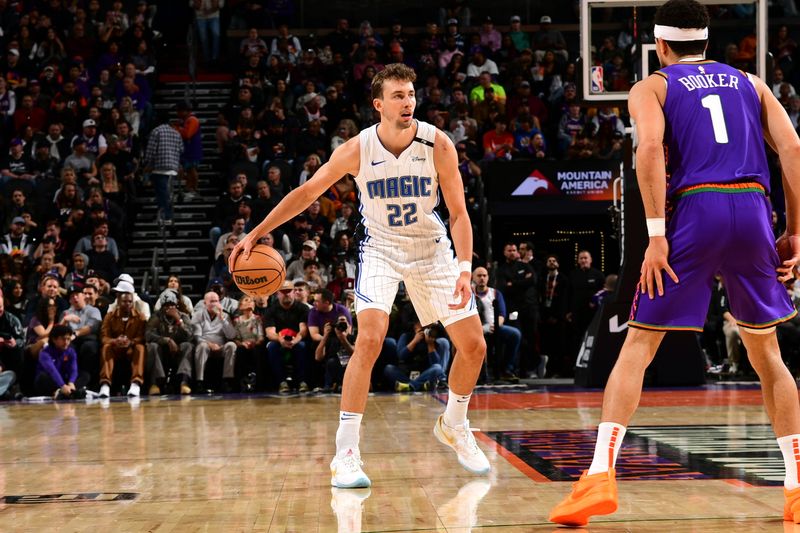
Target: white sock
{"x": 456, "y": 412}
{"x": 790, "y": 448}
{"x": 347, "y": 434}
{"x": 606, "y": 449}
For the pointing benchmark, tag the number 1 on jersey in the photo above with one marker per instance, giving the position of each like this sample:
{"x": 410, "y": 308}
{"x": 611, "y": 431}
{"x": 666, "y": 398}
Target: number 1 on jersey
{"x": 713, "y": 103}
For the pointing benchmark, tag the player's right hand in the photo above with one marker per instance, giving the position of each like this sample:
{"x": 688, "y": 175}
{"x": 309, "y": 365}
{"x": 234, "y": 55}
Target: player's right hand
{"x": 788, "y": 247}
{"x": 242, "y": 247}
{"x": 655, "y": 260}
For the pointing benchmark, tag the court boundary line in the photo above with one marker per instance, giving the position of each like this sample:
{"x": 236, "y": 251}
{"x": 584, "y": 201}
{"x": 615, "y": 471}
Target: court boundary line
{"x": 513, "y": 459}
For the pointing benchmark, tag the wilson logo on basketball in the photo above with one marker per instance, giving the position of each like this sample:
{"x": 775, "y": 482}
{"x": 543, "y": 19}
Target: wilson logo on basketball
{"x": 247, "y": 280}
{"x": 261, "y": 273}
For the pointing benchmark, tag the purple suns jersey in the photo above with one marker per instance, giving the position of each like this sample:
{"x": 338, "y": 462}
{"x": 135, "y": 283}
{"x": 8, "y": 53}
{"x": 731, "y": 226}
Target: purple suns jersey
{"x": 713, "y": 126}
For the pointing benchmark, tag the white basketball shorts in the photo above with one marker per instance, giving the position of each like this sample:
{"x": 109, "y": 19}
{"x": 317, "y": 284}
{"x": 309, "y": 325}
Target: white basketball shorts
{"x": 429, "y": 275}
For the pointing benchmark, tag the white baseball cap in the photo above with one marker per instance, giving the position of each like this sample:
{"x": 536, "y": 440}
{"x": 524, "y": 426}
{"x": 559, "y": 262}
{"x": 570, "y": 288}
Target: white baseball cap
{"x": 124, "y": 286}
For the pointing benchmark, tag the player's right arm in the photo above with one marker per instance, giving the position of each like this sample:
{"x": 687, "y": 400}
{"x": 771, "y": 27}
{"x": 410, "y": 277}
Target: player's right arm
{"x": 344, "y": 160}
{"x": 645, "y": 104}
{"x": 782, "y": 137}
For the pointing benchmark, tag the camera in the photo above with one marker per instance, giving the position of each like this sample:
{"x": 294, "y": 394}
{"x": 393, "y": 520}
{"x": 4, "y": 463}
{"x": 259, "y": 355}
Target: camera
{"x": 433, "y": 332}
{"x": 341, "y": 326}
{"x": 288, "y": 338}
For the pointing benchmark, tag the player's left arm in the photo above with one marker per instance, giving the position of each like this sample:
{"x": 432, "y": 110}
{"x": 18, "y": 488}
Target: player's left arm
{"x": 446, "y": 162}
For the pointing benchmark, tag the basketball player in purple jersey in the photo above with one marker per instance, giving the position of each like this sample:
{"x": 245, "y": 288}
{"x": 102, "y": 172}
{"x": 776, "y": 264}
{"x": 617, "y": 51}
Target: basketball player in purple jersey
{"x": 712, "y": 120}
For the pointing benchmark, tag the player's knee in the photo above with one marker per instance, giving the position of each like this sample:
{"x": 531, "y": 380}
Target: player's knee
{"x": 474, "y": 348}
{"x": 369, "y": 344}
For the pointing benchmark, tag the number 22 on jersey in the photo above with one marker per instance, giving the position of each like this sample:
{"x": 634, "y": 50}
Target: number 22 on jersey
{"x": 402, "y": 215}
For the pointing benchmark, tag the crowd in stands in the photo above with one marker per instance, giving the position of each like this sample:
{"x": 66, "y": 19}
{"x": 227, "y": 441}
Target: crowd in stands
{"x": 76, "y": 98}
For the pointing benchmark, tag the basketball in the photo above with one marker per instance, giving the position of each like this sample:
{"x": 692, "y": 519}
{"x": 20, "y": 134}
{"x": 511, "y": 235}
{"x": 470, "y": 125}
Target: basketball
{"x": 262, "y": 273}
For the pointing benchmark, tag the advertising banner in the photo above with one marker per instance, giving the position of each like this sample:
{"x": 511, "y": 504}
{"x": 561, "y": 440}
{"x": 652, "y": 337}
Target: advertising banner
{"x": 584, "y": 181}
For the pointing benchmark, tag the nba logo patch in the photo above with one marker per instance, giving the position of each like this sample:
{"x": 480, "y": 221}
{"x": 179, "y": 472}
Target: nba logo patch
{"x": 597, "y": 80}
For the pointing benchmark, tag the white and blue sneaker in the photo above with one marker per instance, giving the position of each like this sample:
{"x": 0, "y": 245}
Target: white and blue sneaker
{"x": 346, "y": 472}
{"x": 461, "y": 439}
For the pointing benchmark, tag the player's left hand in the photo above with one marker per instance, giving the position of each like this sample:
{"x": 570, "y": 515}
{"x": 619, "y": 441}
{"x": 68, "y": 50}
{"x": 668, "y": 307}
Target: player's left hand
{"x": 788, "y": 247}
{"x": 655, "y": 260}
{"x": 463, "y": 291}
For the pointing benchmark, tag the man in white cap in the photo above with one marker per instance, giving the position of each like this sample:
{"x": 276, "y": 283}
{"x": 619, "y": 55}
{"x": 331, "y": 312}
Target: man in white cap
{"x": 520, "y": 38}
{"x": 549, "y": 39}
{"x": 122, "y": 335}
{"x": 140, "y": 305}
{"x": 296, "y": 270}
{"x": 96, "y": 144}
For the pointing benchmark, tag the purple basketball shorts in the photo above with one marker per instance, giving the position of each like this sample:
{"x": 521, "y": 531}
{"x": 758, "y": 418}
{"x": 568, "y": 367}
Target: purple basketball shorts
{"x": 718, "y": 229}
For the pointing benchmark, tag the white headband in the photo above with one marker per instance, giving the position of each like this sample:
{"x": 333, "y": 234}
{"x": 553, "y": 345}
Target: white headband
{"x": 671, "y": 33}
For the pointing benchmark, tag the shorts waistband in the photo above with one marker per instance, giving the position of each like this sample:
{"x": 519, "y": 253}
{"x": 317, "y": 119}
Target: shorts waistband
{"x": 728, "y": 188}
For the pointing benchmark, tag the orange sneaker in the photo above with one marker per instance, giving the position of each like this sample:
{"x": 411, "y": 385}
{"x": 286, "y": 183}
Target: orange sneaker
{"x": 791, "y": 509}
{"x": 591, "y": 495}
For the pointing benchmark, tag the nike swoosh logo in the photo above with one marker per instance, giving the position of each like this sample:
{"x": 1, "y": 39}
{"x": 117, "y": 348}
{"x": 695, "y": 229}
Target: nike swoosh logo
{"x": 378, "y": 162}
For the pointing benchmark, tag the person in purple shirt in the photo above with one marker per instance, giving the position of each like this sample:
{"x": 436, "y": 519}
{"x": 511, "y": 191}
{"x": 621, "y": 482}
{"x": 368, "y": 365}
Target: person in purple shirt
{"x": 325, "y": 310}
{"x": 57, "y": 373}
{"x": 708, "y": 212}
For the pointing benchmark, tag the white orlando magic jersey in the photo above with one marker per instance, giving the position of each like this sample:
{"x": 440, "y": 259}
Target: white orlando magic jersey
{"x": 398, "y": 194}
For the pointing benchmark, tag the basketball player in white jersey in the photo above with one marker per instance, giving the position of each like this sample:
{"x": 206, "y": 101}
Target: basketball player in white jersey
{"x": 400, "y": 165}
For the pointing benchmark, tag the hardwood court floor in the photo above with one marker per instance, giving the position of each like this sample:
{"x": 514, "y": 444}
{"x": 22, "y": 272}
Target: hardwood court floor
{"x": 696, "y": 460}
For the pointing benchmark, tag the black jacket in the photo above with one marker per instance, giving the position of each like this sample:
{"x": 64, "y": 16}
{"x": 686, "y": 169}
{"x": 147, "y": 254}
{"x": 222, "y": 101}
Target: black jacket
{"x": 518, "y": 283}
